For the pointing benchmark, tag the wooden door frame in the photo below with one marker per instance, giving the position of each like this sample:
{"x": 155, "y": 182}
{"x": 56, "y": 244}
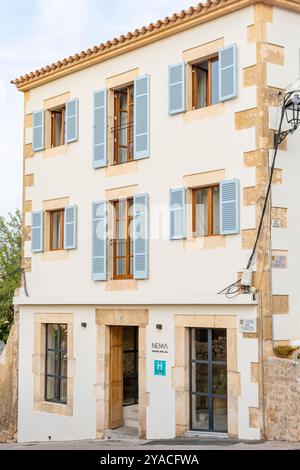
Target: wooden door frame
{"x": 118, "y": 317}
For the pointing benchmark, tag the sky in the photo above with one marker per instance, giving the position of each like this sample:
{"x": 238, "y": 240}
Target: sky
{"x": 35, "y": 33}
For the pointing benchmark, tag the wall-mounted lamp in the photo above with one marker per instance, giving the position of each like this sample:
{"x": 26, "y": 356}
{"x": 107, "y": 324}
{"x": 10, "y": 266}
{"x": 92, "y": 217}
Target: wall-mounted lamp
{"x": 83, "y": 325}
{"x": 159, "y": 326}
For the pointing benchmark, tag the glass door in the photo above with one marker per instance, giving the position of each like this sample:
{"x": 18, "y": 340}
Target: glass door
{"x": 208, "y": 379}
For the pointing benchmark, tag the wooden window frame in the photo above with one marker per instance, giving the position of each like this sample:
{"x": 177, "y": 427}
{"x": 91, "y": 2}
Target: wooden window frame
{"x": 210, "y": 213}
{"x": 62, "y": 216}
{"x": 54, "y": 113}
{"x": 117, "y": 115}
{"x": 128, "y": 251}
{"x": 208, "y": 83}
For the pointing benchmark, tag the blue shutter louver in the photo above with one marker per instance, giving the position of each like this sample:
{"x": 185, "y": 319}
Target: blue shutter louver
{"x": 100, "y": 129}
{"x": 70, "y": 228}
{"x": 176, "y": 88}
{"x": 142, "y": 117}
{"x": 38, "y": 131}
{"x": 71, "y": 121}
{"x": 140, "y": 236}
{"x": 177, "y": 213}
{"x": 99, "y": 241}
{"x": 37, "y": 231}
{"x": 227, "y": 73}
{"x": 229, "y": 207}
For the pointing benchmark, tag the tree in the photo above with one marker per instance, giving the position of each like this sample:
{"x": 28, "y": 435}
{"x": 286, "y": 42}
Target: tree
{"x": 10, "y": 268}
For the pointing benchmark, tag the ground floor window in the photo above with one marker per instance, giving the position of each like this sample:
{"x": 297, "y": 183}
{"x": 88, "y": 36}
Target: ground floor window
{"x": 208, "y": 379}
{"x": 56, "y": 363}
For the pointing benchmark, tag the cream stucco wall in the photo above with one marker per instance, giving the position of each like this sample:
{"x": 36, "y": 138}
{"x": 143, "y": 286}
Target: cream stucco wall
{"x": 38, "y": 426}
{"x": 177, "y": 149}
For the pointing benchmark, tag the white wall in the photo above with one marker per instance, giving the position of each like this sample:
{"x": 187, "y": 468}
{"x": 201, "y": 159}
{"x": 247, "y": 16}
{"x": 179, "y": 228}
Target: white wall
{"x": 175, "y": 152}
{"x": 37, "y": 426}
{"x": 284, "y": 31}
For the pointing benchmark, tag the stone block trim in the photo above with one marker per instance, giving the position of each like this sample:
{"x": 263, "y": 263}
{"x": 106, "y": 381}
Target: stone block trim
{"x": 29, "y": 180}
{"x": 254, "y": 417}
{"x": 280, "y": 214}
{"x": 27, "y": 264}
{"x": 27, "y": 234}
{"x": 255, "y": 372}
{"x": 280, "y": 304}
{"x": 28, "y": 206}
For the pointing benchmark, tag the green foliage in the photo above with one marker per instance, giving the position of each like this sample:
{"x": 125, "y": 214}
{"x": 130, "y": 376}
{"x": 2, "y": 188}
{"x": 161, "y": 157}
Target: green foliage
{"x": 10, "y": 261}
{"x": 284, "y": 351}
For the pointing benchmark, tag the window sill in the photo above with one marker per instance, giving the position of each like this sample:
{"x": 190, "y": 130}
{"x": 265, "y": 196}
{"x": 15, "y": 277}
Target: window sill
{"x": 58, "y": 255}
{"x": 121, "y": 284}
{"x": 205, "y": 243}
{"x": 202, "y": 113}
{"x": 56, "y": 151}
{"x": 62, "y": 409}
{"x": 122, "y": 168}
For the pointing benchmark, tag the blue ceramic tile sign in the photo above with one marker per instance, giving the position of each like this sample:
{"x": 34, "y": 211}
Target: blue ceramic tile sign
{"x": 160, "y": 368}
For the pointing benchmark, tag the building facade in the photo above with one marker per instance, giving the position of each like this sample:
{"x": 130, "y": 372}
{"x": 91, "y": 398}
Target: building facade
{"x": 146, "y": 161}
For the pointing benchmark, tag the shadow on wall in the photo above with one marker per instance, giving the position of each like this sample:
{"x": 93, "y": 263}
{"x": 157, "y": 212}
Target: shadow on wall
{"x": 9, "y": 384}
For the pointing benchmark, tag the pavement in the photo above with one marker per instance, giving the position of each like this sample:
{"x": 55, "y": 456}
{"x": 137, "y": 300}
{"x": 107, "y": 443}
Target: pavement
{"x": 172, "y": 444}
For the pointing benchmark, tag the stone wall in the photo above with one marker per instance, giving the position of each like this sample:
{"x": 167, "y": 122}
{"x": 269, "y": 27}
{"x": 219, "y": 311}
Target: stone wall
{"x": 283, "y": 399}
{"x": 9, "y": 385}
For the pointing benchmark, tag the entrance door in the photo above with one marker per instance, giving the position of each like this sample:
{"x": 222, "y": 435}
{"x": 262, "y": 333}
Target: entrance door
{"x": 208, "y": 379}
{"x": 116, "y": 377}
{"x": 123, "y": 372}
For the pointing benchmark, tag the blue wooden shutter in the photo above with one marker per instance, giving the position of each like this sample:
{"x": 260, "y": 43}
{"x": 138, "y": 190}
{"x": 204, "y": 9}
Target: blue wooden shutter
{"x": 142, "y": 117}
{"x": 215, "y": 82}
{"x": 229, "y": 207}
{"x": 71, "y": 124}
{"x": 140, "y": 236}
{"x": 177, "y": 213}
{"x": 176, "y": 88}
{"x": 37, "y": 231}
{"x": 38, "y": 131}
{"x": 70, "y": 228}
{"x": 99, "y": 241}
{"x": 227, "y": 72}
{"x": 100, "y": 128}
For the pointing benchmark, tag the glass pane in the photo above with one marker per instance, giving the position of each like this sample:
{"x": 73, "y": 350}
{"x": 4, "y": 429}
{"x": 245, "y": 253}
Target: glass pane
{"x": 56, "y": 230}
{"x": 123, "y": 129}
{"x": 63, "y": 336}
{"x": 216, "y": 210}
{"x": 201, "y": 212}
{"x": 215, "y": 82}
{"x": 200, "y": 413}
{"x": 50, "y": 388}
{"x": 122, "y": 155}
{"x": 52, "y": 363}
{"x": 202, "y": 85}
{"x": 220, "y": 414}
{"x": 121, "y": 248}
{"x": 52, "y": 336}
{"x": 219, "y": 347}
{"x": 120, "y": 266}
{"x": 199, "y": 378}
{"x": 219, "y": 379}
{"x": 123, "y": 100}
{"x": 130, "y": 391}
{"x": 58, "y": 128}
{"x": 129, "y": 364}
{"x": 63, "y": 390}
{"x": 129, "y": 339}
{"x": 199, "y": 344}
{"x": 64, "y": 364}
{"x": 131, "y": 266}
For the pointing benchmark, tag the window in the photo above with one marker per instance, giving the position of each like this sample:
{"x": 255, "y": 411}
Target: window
{"x": 205, "y": 83}
{"x": 123, "y": 244}
{"x": 58, "y": 127}
{"x": 57, "y": 230}
{"x": 56, "y": 363}
{"x": 206, "y": 211}
{"x": 123, "y": 130}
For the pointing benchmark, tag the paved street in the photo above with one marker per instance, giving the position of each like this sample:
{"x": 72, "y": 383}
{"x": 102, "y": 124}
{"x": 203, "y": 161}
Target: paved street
{"x": 175, "y": 444}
